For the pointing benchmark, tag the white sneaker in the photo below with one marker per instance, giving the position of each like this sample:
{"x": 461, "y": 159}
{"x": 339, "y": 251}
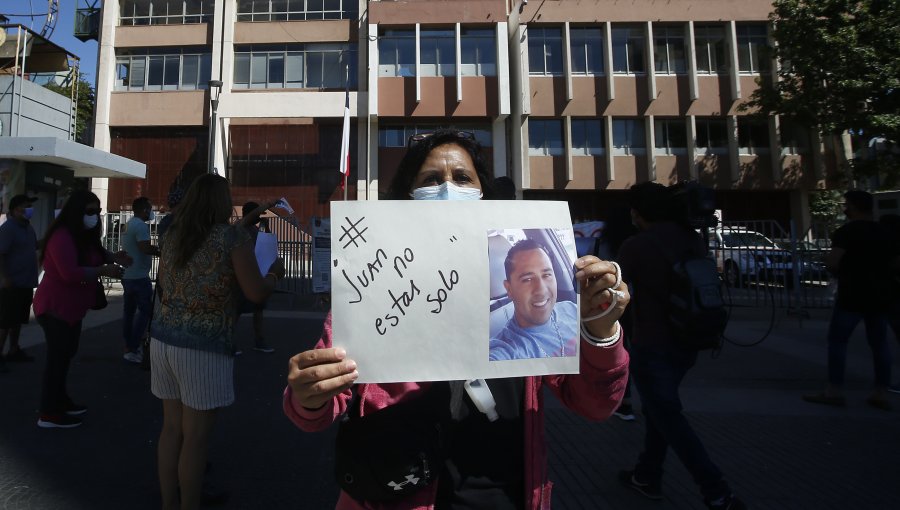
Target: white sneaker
{"x": 133, "y": 357}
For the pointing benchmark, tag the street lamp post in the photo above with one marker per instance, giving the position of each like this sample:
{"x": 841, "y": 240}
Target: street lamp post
{"x": 215, "y": 86}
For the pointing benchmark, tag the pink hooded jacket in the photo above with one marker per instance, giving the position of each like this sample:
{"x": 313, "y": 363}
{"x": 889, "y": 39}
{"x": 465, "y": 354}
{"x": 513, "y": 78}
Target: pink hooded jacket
{"x": 594, "y": 393}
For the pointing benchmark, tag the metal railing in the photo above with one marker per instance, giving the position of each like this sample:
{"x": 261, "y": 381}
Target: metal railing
{"x": 294, "y": 247}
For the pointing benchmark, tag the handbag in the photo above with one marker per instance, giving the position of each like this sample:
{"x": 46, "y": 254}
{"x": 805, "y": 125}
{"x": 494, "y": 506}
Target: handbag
{"x": 390, "y": 453}
{"x": 100, "y": 301}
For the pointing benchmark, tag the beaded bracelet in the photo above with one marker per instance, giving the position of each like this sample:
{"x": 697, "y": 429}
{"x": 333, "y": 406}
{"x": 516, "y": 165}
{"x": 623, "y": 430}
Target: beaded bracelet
{"x": 602, "y": 342}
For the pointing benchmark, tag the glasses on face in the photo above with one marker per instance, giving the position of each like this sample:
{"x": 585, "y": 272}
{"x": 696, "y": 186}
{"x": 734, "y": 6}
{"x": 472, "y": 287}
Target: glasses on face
{"x": 90, "y": 211}
{"x": 419, "y": 137}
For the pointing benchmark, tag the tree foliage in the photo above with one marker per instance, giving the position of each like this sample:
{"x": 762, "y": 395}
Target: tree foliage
{"x": 84, "y": 108}
{"x": 840, "y": 67}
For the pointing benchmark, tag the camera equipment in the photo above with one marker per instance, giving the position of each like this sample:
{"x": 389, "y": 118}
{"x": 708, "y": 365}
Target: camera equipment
{"x": 695, "y": 204}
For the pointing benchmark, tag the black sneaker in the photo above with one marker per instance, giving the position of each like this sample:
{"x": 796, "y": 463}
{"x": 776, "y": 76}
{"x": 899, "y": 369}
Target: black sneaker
{"x": 58, "y": 421}
{"x": 729, "y": 502}
{"x": 75, "y": 409}
{"x": 262, "y": 346}
{"x": 625, "y": 412}
{"x": 649, "y": 490}
{"x": 19, "y": 356}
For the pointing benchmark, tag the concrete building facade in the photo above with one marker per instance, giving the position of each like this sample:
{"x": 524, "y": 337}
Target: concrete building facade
{"x": 575, "y": 100}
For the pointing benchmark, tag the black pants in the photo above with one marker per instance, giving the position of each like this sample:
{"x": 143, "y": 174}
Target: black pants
{"x": 62, "y": 344}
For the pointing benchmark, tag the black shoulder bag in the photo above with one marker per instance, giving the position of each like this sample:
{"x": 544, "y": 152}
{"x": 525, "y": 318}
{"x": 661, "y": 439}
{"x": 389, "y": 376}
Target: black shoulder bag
{"x": 393, "y": 452}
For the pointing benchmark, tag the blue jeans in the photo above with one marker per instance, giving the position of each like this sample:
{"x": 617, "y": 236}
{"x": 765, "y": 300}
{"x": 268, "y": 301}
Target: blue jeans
{"x": 138, "y": 297}
{"x": 842, "y": 324}
{"x": 657, "y": 375}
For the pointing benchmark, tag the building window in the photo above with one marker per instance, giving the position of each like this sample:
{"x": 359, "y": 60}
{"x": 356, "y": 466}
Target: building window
{"x": 437, "y": 52}
{"x": 397, "y": 53}
{"x": 753, "y": 136}
{"x": 628, "y": 137}
{"x": 794, "y": 137}
{"x": 709, "y": 45}
{"x": 142, "y": 70}
{"x": 545, "y": 137}
{"x": 587, "y": 137}
{"x": 751, "y": 41}
{"x": 628, "y": 50}
{"x": 165, "y": 12}
{"x": 310, "y": 66}
{"x": 670, "y": 137}
{"x": 587, "y": 50}
{"x": 712, "y": 135}
{"x": 296, "y": 10}
{"x": 668, "y": 50}
{"x": 396, "y": 136}
{"x": 479, "y": 52}
{"x": 545, "y": 56}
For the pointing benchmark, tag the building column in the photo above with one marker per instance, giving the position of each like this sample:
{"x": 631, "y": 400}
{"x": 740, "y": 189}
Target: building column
{"x": 733, "y": 72}
{"x": 498, "y": 140}
{"x": 651, "y": 64}
{"x": 567, "y": 147}
{"x": 610, "y": 158}
{"x": 692, "y": 62}
{"x": 105, "y": 84}
{"x": 608, "y": 62}
{"x": 691, "y": 129}
{"x": 775, "y": 149}
{"x": 650, "y": 136}
{"x": 733, "y": 159}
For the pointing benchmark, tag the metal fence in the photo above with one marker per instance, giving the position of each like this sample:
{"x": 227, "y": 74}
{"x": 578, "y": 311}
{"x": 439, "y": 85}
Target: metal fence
{"x": 764, "y": 265}
{"x": 294, "y": 247}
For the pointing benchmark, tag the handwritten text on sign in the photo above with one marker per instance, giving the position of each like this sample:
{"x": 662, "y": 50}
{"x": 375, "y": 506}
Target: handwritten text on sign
{"x": 410, "y": 293}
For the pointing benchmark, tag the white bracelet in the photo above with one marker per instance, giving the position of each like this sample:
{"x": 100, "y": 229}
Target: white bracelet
{"x": 615, "y": 294}
{"x": 602, "y": 342}
{"x": 618, "y": 275}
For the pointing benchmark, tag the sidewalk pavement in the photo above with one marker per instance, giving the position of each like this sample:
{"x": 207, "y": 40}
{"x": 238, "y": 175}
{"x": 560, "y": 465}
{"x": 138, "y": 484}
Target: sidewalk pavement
{"x": 777, "y": 451}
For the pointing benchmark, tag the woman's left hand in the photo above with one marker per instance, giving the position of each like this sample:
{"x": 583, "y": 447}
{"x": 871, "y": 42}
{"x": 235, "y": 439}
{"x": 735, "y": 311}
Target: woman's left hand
{"x": 597, "y": 279}
{"x": 122, "y": 258}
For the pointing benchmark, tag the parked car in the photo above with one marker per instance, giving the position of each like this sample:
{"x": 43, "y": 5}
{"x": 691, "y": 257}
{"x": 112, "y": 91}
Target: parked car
{"x": 744, "y": 255}
{"x": 810, "y": 256}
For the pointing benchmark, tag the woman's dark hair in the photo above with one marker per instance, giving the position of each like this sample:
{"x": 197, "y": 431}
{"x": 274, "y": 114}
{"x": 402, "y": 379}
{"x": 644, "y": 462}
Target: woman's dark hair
{"x": 71, "y": 217}
{"x": 418, "y": 151}
{"x": 207, "y": 203}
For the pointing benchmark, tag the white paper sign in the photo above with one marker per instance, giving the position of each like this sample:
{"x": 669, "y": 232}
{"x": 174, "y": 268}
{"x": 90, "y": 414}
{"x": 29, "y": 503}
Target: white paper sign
{"x": 420, "y": 293}
{"x": 321, "y": 252}
{"x": 266, "y": 251}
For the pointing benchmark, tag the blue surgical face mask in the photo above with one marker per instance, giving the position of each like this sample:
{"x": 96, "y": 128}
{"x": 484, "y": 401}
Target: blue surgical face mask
{"x": 29, "y": 212}
{"x": 90, "y": 221}
{"x": 446, "y": 191}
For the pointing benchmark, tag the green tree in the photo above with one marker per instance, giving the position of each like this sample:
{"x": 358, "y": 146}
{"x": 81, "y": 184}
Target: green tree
{"x": 840, "y": 69}
{"x": 84, "y": 108}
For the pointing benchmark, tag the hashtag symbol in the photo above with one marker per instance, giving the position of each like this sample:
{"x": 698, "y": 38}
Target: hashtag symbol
{"x": 352, "y": 232}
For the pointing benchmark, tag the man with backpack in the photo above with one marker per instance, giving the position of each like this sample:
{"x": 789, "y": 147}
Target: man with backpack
{"x": 661, "y": 353}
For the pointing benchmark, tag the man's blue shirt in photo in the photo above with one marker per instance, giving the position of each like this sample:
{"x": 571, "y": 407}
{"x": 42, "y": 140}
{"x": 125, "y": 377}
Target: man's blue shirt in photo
{"x": 557, "y": 337}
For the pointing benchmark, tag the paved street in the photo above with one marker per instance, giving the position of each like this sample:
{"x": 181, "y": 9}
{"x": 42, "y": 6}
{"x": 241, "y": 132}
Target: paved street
{"x": 777, "y": 451}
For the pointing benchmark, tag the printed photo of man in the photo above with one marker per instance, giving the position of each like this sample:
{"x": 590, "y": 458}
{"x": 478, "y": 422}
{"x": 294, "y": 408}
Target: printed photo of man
{"x": 541, "y": 326}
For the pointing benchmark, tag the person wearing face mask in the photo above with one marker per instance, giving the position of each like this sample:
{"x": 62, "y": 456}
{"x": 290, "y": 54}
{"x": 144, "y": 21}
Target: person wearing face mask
{"x": 489, "y": 461}
{"x": 18, "y": 275}
{"x": 138, "y": 290}
{"x": 73, "y": 259}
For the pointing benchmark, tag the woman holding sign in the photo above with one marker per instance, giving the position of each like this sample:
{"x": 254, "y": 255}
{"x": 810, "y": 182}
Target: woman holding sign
{"x": 455, "y": 444}
{"x": 206, "y": 263}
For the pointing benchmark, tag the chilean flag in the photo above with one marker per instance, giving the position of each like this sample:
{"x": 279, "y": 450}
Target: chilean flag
{"x": 345, "y": 142}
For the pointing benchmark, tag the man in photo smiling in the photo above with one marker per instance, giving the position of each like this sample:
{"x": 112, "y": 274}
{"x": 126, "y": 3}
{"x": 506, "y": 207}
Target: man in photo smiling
{"x": 540, "y": 327}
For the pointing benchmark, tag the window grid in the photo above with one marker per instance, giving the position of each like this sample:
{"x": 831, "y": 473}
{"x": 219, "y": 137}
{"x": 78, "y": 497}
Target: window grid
{"x": 628, "y": 50}
{"x": 629, "y": 138}
{"x": 794, "y": 138}
{"x": 397, "y": 136}
{"x": 753, "y": 136}
{"x": 669, "y": 50}
{"x": 545, "y": 137}
{"x": 319, "y": 66}
{"x": 670, "y": 137}
{"x": 712, "y": 135}
{"x": 587, "y": 137}
{"x": 397, "y": 53}
{"x": 165, "y": 12}
{"x": 709, "y": 42}
{"x": 587, "y": 50}
{"x": 437, "y": 56}
{"x": 296, "y": 10}
{"x": 751, "y": 39}
{"x": 478, "y": 52}
{"x": 545, "y": 51}
{"x": 146, "y": 71}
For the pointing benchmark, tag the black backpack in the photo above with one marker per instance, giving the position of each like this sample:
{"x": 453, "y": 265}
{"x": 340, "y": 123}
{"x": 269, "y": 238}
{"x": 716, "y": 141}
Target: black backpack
{"x": 697, "y": 313}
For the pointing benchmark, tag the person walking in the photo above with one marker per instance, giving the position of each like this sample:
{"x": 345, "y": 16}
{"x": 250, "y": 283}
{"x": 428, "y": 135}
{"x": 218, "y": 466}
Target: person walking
{"x": 251, "y": 221}
{"x": 73, "y": 260}
{"x": 861, "y": 253}
{"x": 18, "y": 276}
{"x": 138, "y": 290}
{"x": 658, "y": 363}
{"x": 204, "y": 262}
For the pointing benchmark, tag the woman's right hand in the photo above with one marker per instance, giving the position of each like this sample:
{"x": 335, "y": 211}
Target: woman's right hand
{"x": 316, "y": 376}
